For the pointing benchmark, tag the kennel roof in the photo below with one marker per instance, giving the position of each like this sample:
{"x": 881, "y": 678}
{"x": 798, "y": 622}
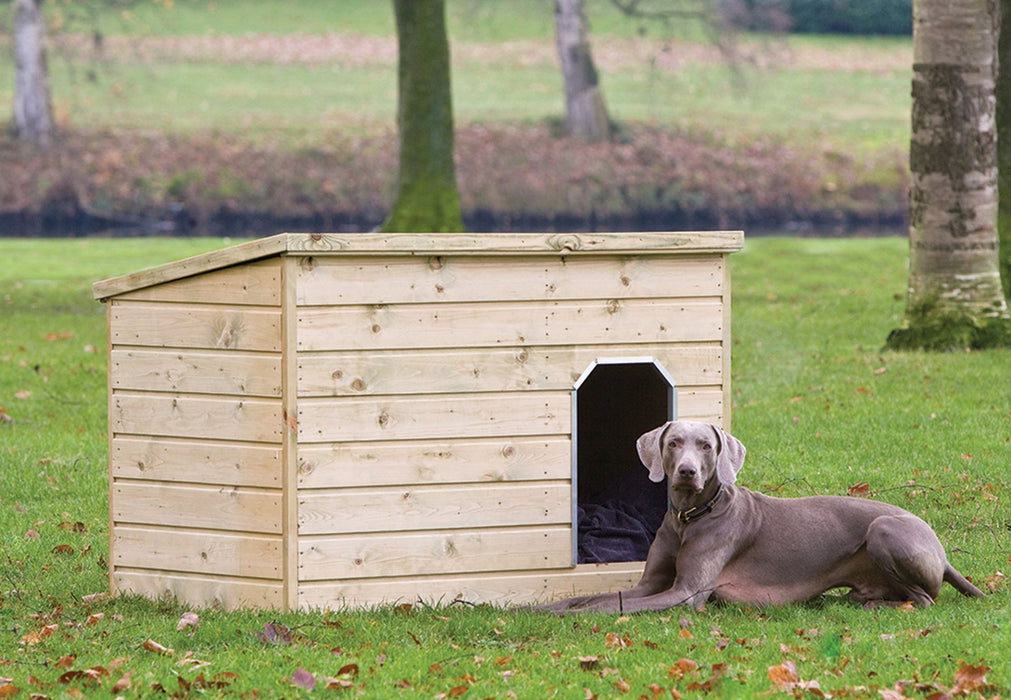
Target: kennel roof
{"x": 372, "y": 244}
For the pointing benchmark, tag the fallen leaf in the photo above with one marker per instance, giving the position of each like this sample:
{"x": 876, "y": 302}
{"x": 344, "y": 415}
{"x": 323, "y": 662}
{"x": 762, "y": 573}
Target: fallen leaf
{"x": 65, "y": 661}
{"x": 32, "y": 535}
{"x": 613, "y": 641}
{"x": 188, "y": 619}
{"x": 122, "y": 684}
{"x": 969, "y": 678}
{"x": 861, "y": 488}
{"x": 157, "y": 648}
{"x": 784, "y": 676}
{"x": 994, "y": 581}
{"x": 63, "y": 549}
{"x": 94, "y": 619}
{"x": 23, "y": 394}
{"x": 681, "y": 668}
{"x": 303, "y": 679}
{"x": 348, "y": 670}
{"x": 458, "y": 691}
{"x": 275, "y": 633}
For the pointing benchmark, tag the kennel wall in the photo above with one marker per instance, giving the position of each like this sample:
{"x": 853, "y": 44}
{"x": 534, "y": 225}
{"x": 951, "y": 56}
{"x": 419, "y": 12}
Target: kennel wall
{"x": 313, "y": 420}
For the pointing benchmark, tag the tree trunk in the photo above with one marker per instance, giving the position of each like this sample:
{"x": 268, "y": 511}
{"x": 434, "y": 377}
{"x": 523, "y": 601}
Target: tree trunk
{"x": 427, "y": 194}
{"x": 585, "y": 111}
{"x": 33, "y": 119}
{"x": 954, "y": 280}
{"x": 1004, "y": 143}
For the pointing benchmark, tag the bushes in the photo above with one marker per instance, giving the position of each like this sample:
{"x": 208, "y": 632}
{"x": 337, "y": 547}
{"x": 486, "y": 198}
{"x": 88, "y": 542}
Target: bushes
{"x": 826, "y": 16}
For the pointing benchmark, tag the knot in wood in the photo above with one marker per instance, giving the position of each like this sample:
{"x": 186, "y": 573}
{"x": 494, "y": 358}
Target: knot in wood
{"x": 613, "y": 306}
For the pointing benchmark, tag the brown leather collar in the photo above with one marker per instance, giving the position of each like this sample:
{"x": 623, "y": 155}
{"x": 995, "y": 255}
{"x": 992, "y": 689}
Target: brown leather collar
{"x": 696, "y": 512}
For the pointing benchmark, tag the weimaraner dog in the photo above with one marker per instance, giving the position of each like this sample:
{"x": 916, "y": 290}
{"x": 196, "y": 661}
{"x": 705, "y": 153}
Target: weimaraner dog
{"x": 725, "y": 542}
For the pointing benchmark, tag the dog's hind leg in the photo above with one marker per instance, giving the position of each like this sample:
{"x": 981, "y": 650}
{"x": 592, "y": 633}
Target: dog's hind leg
{"x": 909, "y": 557}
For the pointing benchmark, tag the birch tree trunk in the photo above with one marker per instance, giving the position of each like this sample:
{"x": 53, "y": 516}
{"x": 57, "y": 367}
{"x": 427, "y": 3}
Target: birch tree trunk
{"x": 33, "y": 119}
{"x": 585, "y": 111}
{"x": 427, "y": 196}
{"x": 954, "y": 279}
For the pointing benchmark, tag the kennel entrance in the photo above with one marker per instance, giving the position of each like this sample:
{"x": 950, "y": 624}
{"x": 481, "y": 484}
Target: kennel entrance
{"x": 616, "y": 508}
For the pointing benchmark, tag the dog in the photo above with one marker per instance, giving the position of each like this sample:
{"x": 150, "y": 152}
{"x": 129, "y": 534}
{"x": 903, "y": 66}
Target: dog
{"x": 721, "y": 541}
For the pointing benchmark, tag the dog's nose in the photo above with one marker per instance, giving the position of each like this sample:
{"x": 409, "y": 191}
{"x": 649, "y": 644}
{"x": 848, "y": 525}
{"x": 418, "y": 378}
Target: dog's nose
{"x": 686, "y": 471}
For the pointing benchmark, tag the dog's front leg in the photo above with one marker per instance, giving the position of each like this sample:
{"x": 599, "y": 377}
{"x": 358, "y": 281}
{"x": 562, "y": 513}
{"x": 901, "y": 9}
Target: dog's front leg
{"x": 658, "y": 575}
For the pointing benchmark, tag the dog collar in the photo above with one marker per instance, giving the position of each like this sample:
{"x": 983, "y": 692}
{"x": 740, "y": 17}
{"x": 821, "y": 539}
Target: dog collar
{"x": 696, "y": 512}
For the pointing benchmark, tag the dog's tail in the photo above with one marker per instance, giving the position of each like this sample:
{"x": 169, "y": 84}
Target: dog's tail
{"x": 961, "y": 583}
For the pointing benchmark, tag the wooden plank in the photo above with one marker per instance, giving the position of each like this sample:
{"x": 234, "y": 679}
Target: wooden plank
{"x": 200, "y": 552}
{"x": 430, "y": 462}
{"x": 703, "y": 404}
{"x": 508, "y": 243}
{"x": 322, "y": 244}
{"x": 433, "y": 508}
{"x": 238, "y": 509}
{"x": 433, "y": 417}
{"x": 200, "y": 591}
{"x": 504, "y": 324}
{"x": 424, "y": 279}
{"x": 498, "y": 588}
{"x": 445, "y": 552}
{"x": 550, "y": 368}
{"x": 191, "y": 326}
{"x": 188, "y": 371}
{"x": 198, "y": 264}
{"x": 226, "y": 463}
{"x": 255, "y": 284}
{"x": 289, "y": 444}
{"x": 187, "y": 416}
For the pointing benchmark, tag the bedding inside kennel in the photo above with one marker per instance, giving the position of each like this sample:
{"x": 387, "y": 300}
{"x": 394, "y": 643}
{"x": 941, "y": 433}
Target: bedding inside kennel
{"x": 314, "y": 420}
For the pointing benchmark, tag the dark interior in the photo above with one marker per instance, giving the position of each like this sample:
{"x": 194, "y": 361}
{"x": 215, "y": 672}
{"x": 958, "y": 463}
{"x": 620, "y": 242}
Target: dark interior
{"x": 619, "y": 509}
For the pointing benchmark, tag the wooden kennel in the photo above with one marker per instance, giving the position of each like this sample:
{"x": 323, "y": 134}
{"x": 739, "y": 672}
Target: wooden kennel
{"x": 318, "y": 420}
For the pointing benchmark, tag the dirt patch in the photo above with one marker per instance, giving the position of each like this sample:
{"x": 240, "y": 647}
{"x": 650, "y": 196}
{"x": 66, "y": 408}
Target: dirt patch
{"x": 611, "y": 54}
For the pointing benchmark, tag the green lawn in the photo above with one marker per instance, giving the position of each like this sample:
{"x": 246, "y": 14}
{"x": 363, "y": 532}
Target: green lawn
{"x": 818, "y": 404}
{"x": 504, "y": 70}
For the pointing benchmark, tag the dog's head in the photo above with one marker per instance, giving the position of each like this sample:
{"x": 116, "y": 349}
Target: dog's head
{"x": 690, "y": 454}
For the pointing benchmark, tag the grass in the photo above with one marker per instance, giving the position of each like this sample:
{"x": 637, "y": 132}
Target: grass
{"x": 852, "y": 109}
{"x": 819, "y": 405}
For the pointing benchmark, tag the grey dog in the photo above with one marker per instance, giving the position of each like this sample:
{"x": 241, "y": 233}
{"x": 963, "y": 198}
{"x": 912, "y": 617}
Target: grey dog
{"x": 721, "y": 541}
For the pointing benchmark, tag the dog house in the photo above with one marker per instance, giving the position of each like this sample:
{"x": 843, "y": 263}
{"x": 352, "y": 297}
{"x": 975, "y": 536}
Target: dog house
{"x": 314, "y": 420}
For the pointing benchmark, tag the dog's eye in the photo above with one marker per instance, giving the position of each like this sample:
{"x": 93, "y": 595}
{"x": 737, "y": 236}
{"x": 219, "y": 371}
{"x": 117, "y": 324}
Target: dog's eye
{"x": 674, "y": 443}
{"x": 705, "y": 447}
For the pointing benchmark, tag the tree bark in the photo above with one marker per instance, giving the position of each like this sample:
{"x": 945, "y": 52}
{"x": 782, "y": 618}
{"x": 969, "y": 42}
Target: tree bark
{"x": 427, "y": 196}
{"x": 585, "y": 111}
{"x": 33, "y": 119}
{"x": 954, "y": 280}
{"x": 1004, "y": 143}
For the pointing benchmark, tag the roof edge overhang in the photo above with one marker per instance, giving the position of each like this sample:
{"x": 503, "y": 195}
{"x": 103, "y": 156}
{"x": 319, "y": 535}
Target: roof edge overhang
{"x": 428, "y": 244}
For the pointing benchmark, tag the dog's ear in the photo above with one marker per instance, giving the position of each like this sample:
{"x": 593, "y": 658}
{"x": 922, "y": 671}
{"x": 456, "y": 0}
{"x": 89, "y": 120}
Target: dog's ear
{"x": 730, "y": 458}
{"x": 650, "y": 449}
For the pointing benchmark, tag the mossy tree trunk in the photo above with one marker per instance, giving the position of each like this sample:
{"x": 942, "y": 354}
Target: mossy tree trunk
{"x": 33, "y": 120}
{"x": 1004, "y": 142}
{"x": 427, "y": 194}
{"x": 954, "y": 291}
{"x": 585, "y": 110}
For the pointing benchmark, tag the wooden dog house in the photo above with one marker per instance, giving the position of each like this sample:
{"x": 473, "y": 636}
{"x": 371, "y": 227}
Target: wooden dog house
{"x": 314, "y": 420}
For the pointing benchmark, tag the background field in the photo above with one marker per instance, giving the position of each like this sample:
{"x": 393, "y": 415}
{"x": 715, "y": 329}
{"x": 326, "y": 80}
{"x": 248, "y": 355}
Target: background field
{"x": 820, "y": 407}
{"x": 257, "y": 96}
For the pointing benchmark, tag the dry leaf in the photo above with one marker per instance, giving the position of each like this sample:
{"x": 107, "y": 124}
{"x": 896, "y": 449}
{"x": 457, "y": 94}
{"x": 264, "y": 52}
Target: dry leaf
{"x": 122, "y": 684}
{"x": 188, "y": 619}
{"x": 303, "y": 679}
{"x": 682, "y": 667}
{"x": 157, "y": 648}
{"x": 861, "y": 488}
